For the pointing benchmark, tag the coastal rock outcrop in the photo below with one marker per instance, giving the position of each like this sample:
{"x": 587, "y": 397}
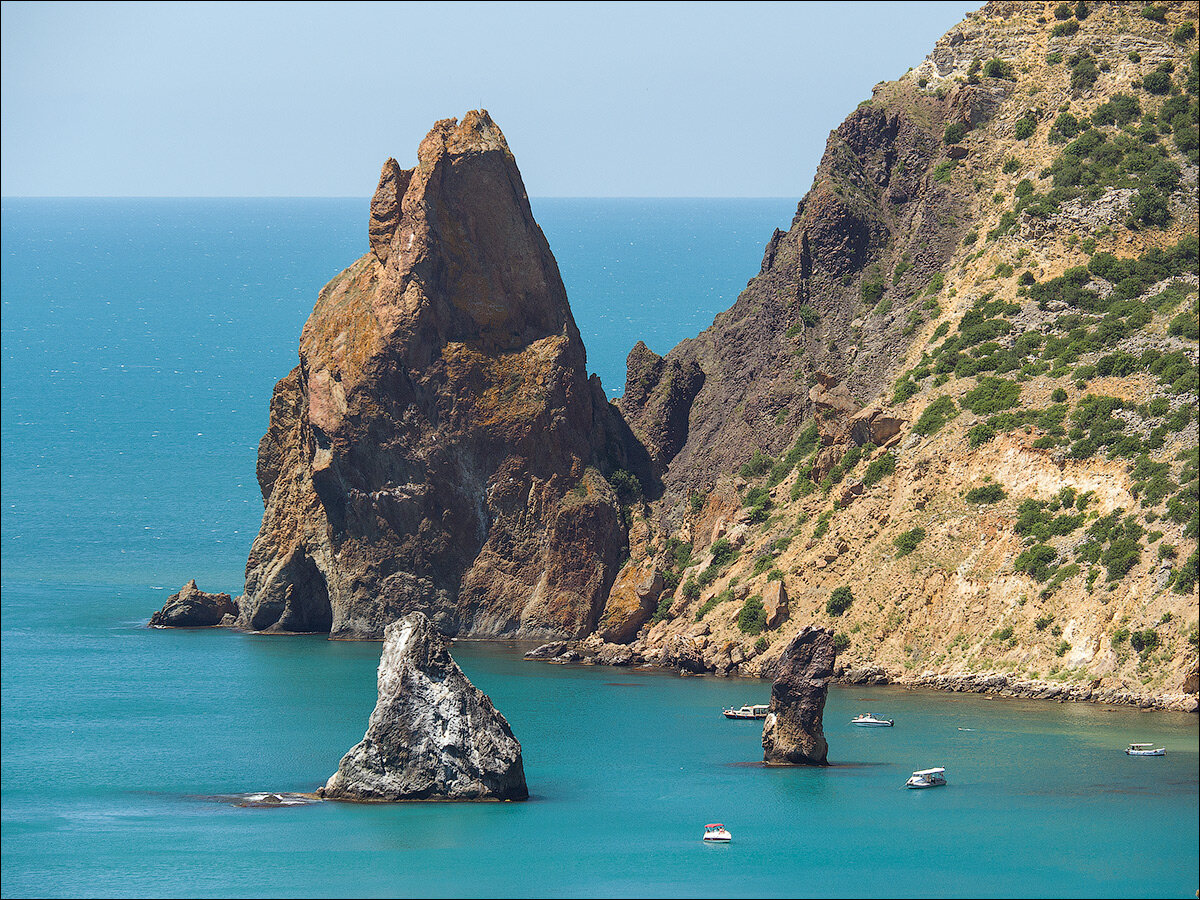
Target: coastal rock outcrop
{"x": 821, "y": 325}
{"x": 440, "y": 447}
{"x": 193, "y": 608}
{"x": 793, "y": 733}
{"x": 433, "y": 735}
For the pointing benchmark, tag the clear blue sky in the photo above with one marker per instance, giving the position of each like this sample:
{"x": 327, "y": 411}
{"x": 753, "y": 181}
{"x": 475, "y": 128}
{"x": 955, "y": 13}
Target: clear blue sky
{"x": 299, "y": 99}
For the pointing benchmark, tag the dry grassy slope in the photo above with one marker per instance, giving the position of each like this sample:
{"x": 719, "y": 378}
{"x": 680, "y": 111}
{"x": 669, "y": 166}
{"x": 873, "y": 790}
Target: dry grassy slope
{"x": 944, "y": 611}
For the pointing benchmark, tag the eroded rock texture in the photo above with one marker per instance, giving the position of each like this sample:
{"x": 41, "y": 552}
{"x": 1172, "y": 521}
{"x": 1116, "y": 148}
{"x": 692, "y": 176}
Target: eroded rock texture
{"x": 193, "y": 608}
{"x": 793, "y": 733}
{"x": 828, "y": 307}
{"x": 433, "y": 735}
{"x": 439, "y": 447}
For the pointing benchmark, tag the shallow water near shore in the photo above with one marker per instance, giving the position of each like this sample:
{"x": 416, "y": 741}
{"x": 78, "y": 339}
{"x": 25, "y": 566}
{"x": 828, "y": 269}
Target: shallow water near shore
{"x": 141, "y": 340}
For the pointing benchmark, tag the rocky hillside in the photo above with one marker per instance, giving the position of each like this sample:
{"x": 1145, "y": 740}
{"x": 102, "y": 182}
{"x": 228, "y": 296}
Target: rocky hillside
{"x": 439, "y": 448}
{"x": 953, "y": 420}
{"x": 954, "y": 417}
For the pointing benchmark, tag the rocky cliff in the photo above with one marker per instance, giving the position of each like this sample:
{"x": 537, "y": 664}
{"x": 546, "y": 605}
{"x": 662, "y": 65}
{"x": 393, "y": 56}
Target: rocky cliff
{"x": 793, "y": 733}
{"x": 954, "y": 416}
{"x": 439, "y": 447}
{"x": 432, "y": 735}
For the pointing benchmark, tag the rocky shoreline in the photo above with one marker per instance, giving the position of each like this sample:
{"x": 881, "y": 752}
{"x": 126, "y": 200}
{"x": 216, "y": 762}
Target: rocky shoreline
{"x": 675, "y": 657}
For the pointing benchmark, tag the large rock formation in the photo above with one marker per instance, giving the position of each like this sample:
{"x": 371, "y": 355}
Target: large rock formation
{"x": 440, "y": 447}
{"x": 433, "y": 735}
{"x": 792, "y": 732}
{"x": 872, "y": 230}
{"x": 193, "y": 608}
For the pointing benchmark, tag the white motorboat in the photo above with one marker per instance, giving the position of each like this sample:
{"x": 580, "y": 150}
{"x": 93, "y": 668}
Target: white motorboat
{"x": 758, "y": 711}
{"x": 1145, "y": 750}
{"x": 927, "y": 778}
{"x": 716, "y": 834}
{"x": 870, "y": 720}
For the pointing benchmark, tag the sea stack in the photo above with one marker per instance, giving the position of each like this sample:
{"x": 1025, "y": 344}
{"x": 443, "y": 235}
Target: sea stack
{"x": 792, "y": 732}
{"x": 194, "y": 608}
{"x": 440, "y": 447}
{"x": 433, "y": 735}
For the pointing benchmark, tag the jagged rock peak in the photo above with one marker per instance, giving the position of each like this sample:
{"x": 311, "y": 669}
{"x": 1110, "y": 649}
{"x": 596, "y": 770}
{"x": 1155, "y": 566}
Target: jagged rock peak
{"x": 433, "y": 735}
{"x": 440, "y": 446}
{"x": 476, "y": 133}
{"x": 792, "y": 733}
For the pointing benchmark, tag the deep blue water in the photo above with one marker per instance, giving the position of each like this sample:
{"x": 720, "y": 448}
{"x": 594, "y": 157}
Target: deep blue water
{"x": 141, "y": 340}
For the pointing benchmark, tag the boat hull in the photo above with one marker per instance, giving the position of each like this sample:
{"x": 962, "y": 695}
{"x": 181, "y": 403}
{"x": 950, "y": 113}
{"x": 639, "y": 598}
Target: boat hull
{"x": 1161, "y": 752}
{"x": 873, "y": 724}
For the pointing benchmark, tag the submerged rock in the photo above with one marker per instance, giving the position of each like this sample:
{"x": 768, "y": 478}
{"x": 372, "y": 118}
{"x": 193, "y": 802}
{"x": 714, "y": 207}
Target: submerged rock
{"x": 792, "y": 733}
{"x": 193, "y": 608}
{"x": 433, "y": 734}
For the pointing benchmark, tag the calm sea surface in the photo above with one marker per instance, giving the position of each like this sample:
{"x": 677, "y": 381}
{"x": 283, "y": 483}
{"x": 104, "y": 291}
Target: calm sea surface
{"x": 141, "y": 340}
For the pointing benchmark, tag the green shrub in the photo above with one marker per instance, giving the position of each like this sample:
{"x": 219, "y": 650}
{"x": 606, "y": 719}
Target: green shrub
{"x": 1062, "y": 11}
{"x": 1025, "y": 127}
{"x": 628, "y": 489}
{"x": 871, "y": 293}
{"x": 1184, "y": 32}
{"x": 987, "y": 493}
{"x": 1157, "y": 82}
{"x": 663, "y": 611}
{"x": 935, "y": 415}
{"x": 954, "y": 133}
{"x": 752, "y": 617}
{"x": 691, "y": 589}
{"x": 906, "y": 542}
{"x": 1155, "y": 13}
{"x": 1003, "y": 634}
{"x": 1185, "y": 576}
{"x": 943, "y": 170}
{"x": 841, "y": 641}
{"x": 759, "y": 464}
{"x": 723, "y": 552}
{"x": 839, "y": 601}
{"x": 1065, "y": 29}
{"x": 1144, "y": 641}
{"x": 991, "y": 395}
{"x": 762, "y": 643}
{"x": 1059, "y": 395}
{"x": 1011, "y": 165}
{"x": 879, "y": 468}
{"x": 1036, "y": 561}
{"x": 1062, "y": 648}
{"x": 1042, "y": 621}
{"x": 1120, "y": 636}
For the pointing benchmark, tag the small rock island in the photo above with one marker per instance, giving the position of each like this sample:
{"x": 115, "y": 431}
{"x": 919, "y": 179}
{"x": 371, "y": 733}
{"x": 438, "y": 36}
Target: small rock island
{"x": 433, "y": 734}
{"x": 194, "y": 608}
{"x": 793, "y": 733}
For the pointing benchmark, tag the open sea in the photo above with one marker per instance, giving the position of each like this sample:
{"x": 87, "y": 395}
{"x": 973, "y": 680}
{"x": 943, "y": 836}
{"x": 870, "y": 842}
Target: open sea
{"x": 141, "y": 340}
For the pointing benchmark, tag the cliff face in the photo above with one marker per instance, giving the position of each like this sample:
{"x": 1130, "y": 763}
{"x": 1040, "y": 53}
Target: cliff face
{"x": 985, "y": 477}
{"x": 877, "y": 223}
{"x": 439, "y": 447}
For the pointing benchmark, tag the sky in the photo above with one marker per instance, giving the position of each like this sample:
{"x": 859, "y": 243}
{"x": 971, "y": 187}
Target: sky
{"x": 308, "y": 99}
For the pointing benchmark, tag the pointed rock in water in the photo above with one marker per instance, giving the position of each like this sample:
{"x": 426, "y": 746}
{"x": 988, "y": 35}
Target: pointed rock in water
{"x": 433, "y": 734}
{"x": 440, "y": 447}
{"x": 193, "y": 608}
{"x": 792, "y": 732}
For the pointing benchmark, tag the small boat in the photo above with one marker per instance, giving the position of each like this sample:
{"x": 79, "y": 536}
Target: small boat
{"x": 870, "y": 720}
{"x": 1145, "y": 750}
{"x": 716, "y": 834}
{"x": 927, "y": 778}
{"x": 758, "y": 711}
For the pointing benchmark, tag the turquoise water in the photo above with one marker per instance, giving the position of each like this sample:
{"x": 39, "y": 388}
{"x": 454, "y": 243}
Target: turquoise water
{"x": 140, "y": 344}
